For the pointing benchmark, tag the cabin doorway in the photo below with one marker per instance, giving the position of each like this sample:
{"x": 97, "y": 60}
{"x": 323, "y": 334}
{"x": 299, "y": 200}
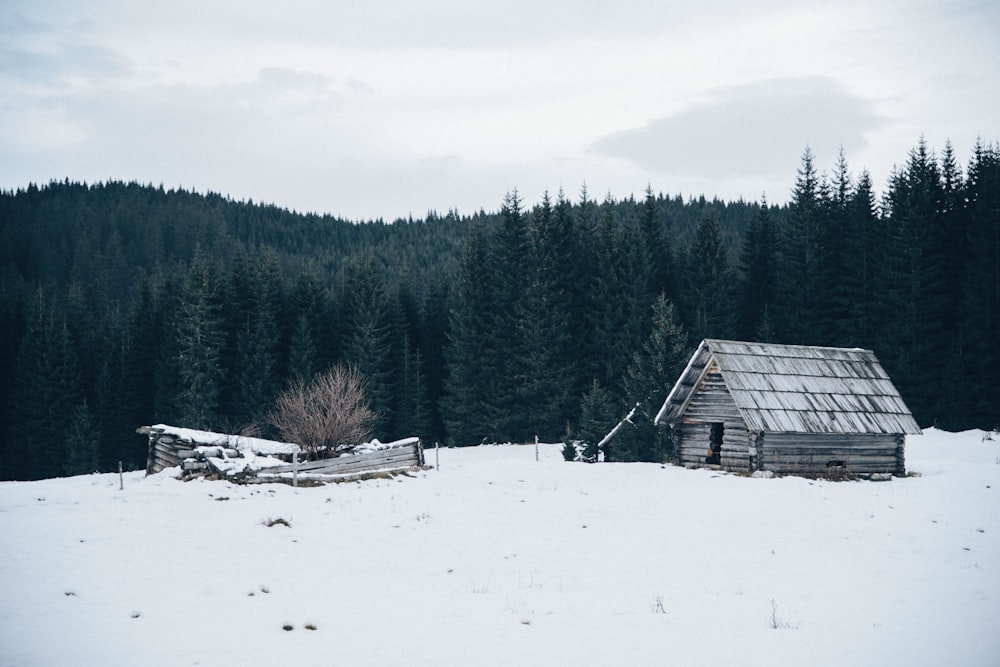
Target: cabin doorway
{"x": 714, "y": 453}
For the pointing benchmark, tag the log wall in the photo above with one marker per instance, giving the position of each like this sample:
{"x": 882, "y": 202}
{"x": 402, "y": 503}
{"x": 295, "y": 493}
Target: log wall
{"x": 711, "y": 403}
{"x": 822, "y": 454}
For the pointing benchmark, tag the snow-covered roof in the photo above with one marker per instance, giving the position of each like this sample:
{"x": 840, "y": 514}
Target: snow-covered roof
{"x": 797, "y": 388}
{"x": 240, "y": 442}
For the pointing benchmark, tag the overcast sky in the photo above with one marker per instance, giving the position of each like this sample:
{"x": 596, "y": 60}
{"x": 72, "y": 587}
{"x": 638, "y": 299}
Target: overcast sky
{"x": 386, "y": 108}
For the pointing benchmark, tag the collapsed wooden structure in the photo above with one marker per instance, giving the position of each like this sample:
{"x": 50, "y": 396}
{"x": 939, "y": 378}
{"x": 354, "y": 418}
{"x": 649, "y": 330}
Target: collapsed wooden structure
{"x": 748, "y": 407}
{"x": 245, "y": 459}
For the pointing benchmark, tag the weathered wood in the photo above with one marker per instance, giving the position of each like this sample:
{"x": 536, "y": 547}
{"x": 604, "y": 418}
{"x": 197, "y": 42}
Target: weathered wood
{"x": 174, "y": 451}
{"x": 824, "y": 459}
{"x": 168, "y": 458}
{"x": 396, "y": 457}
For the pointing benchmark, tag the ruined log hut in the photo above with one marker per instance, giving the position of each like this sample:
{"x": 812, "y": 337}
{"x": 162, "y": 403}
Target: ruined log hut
{"x": 789, "y": 409}
{"x": 172, "y": 446}
{"x": 244, "y": 459}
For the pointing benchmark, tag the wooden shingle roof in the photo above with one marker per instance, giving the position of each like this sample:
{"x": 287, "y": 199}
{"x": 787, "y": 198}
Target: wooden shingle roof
{"x": 798, "y": 388}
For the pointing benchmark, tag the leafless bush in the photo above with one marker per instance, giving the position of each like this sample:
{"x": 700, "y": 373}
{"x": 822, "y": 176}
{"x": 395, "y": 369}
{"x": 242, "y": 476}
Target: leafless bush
{"x": 326, "y": 413}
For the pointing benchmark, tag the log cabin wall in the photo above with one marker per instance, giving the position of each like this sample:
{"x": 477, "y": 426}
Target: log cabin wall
{"x": 711, "y": 403}
{"x": 820, "y": 454}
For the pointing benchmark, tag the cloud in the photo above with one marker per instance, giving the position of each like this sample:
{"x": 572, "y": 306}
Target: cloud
{"x": 35, "y": 53}
{"x": 757, "y": 129}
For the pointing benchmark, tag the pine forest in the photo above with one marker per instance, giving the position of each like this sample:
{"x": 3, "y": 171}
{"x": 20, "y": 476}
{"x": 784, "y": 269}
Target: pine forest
{"x": 123, "y": 304}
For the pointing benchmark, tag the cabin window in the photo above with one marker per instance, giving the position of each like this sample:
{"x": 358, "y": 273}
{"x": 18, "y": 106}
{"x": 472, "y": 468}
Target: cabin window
{"x": 714, "y": 453}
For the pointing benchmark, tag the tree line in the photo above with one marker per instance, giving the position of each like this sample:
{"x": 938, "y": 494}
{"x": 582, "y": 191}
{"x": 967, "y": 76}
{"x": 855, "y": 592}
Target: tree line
{"x": 127, "y": 304}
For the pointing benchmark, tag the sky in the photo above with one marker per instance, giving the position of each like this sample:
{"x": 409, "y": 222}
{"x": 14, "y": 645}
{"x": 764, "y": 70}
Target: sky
{"x": 388, "y": 109}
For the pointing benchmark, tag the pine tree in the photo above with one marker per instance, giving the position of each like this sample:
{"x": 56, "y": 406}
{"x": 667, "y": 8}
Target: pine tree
{"x": 510, "y": 284}
{"x": 758, "y": 269}
{"x": 652, "y": 373}
{"x": 620, "y": 305}
{"x": 597, "y": 418}
{"x": 309, "y": 300}
{"x": 256, "y": 297}
{"x": 864, "y": 254}
{"x": 50, "y": 386}
{"x": 657, "y": 365}
{"x": 550, "y": 384}
{"x": 115, "y": 404}
{"x": 471, "y": 358}
{"x": 794, "y": 312}
{"x": 709, "y": 282}
{"x": 143, "y": 345}
{"x": 303, "y": 359}
{"x": 915, "y": 336}
{"x": 413, "y": 414}
{"x": 980, "y": 306}
{"x": 832, "y": 284}
{"x": 83, "y": 443}
{"x": 435, "y": 340}
{"x": 659, "y": 254}
{"x": 13, "y": 323}
{"x": 199, "y": 344}
{"x": 369, "y": 337}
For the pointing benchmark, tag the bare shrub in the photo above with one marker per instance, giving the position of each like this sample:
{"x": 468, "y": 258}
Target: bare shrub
{"x": 329, "y": 412}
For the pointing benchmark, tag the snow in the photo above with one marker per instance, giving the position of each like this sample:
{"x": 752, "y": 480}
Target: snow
{"x": 239, "y": 442}
{"x": 497, "y": 559}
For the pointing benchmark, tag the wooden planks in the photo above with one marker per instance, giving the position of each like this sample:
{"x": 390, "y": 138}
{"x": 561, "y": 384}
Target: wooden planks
{"x": 385, "y": 459}
{"x": 166, "y": 451}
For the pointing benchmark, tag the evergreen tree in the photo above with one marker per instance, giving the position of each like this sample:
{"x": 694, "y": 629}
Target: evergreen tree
{"x": 200, "y": 339}
{"x": 709, "y": 282}
{"x": 509, "y": 283}
{"x": 659, "y": 254}
{"x": 471, "y": 358}
{"x": 303, "y": 359}
{"x": 758, "y": 269}
{"x": 597, "y": 418}
{"x": 50, "y": 386}
{"x": 13, "y": 321}
{"x": 980, "y": 305}
{"x": 310, "y": 300}
{"x": 413, "y": 414}
{"x": 114, "y": 405}
{"x": 368, "y": 345}
{"x": 255, "y": 310}
{"x": 794, "y": 312}
{"x": 915, "y": 335}
{"x": 143, "y": 344}
{"x": 653, "y": 371}
{"x": 83, "y": 443}
{"x": 435, "y": 339}
{"x": 656, "y": 366}
{"x": 550, "y": 384}
{"x": 832, "y": 285}
{"x": 864, "y": 254}
{"x": 620, "y": 287}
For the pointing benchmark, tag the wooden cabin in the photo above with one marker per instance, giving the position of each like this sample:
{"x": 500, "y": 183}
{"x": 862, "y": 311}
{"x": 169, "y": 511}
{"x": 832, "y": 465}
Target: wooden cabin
{"x": 792, "y": 409}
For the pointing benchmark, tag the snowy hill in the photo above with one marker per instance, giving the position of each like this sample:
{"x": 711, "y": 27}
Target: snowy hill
{"x": 497, "y": 559}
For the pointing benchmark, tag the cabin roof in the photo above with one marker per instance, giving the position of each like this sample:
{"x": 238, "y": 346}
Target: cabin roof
{"x": 797, "y": 388}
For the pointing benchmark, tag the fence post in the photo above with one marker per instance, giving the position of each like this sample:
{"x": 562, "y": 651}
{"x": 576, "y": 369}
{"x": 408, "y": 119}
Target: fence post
{"x": 121, "y": 478}
{"x": 437, "y": 456}
{"x": 295, "y": 468}
{"x": 536, "y": 448}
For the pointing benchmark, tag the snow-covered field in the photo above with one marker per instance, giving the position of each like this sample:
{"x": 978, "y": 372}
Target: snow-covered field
{"x": 496, "y": 559}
